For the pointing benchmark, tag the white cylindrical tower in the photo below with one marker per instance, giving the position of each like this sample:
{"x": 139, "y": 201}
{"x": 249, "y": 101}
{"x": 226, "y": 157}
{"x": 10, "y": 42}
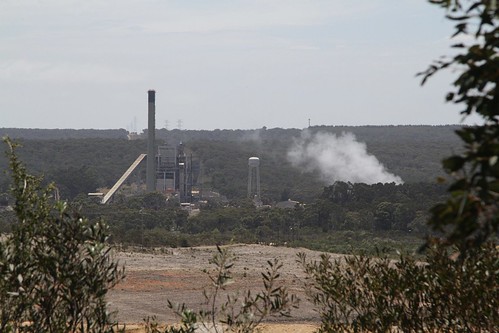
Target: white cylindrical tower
{"x": 254, "y": 177}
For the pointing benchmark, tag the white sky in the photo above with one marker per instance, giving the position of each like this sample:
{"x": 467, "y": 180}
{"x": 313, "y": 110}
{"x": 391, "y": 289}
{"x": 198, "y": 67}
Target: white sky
{"x": 232, "y": 64}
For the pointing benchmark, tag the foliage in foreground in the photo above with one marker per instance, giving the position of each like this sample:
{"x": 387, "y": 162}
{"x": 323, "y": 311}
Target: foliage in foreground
{"x": 362, "y": 294}
{"x": 471, "y": 215}
{"x": 55, "y": 267}
{"x": 238, "y": 313}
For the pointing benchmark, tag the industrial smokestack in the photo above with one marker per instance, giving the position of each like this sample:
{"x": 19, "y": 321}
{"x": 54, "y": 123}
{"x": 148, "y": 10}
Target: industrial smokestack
{"x": 151, "y": 153}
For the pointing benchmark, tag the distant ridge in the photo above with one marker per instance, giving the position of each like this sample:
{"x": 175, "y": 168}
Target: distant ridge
{"x": 98, "y": 157}
{"x": 54, "y": 134}
{"x": 220, "y": 134}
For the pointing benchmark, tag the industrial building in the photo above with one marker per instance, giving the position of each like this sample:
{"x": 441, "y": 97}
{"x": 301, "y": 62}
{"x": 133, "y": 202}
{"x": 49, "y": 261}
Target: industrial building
{"x": 168, "y": 170}
{"x": 176, "y": 172}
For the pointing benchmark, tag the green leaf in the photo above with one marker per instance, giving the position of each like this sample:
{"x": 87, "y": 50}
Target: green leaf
{"x": 453, "y": 163}
{"x": 460, "y": 185}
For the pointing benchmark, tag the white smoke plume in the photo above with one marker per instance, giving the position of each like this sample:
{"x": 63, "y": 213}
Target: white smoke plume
{"x": 338, "y": 158}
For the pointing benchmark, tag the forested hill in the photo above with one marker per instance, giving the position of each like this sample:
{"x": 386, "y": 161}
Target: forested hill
{"x": 54, "y": 134}
{"x": 80, "y": 165}
{"x": 368, "y": 134}
{"x": 423, "y": 133}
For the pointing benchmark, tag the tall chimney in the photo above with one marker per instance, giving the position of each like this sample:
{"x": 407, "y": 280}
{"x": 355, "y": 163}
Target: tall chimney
{"x": 151, "y": 152}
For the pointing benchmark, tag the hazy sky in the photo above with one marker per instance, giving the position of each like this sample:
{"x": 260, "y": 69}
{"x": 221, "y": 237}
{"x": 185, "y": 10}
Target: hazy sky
{"x": 236, "y": 64}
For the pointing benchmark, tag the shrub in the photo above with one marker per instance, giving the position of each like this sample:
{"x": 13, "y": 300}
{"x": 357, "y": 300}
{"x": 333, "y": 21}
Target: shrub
{"x": 470, "y": 216}
{"x": 362, "y": 294}
{"x": 55, "y": 267}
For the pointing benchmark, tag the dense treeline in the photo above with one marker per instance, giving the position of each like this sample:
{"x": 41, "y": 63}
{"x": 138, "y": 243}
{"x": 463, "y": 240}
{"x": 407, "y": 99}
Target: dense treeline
{"x": 77, "y": 166}
{"x": 343, "y": 215}
{"x": 57, "y": 134}
{"x": 380, "y": 207}
{"x": 83, "y": 165}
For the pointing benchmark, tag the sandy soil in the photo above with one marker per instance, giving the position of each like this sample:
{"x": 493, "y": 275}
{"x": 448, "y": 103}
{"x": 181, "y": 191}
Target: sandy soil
{"x": 177, "y": 275}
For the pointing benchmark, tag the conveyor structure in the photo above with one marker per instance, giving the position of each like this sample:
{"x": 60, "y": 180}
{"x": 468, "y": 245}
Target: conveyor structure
{"x": 120, "y": 181}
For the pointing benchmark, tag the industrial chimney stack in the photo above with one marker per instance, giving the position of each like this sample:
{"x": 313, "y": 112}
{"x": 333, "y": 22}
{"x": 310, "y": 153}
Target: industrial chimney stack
{"x": 151, "y": 153}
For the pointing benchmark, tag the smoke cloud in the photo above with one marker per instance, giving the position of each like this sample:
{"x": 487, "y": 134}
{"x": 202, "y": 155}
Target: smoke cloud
{"x": 338, "y": 158}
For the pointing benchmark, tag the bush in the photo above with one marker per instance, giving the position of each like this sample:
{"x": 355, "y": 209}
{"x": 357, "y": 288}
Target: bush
{"x": 55, "y": 267}
{"x": 361, "y": 294}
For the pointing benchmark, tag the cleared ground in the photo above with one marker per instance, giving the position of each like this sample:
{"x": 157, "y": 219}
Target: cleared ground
{"x": 177, "y": 274}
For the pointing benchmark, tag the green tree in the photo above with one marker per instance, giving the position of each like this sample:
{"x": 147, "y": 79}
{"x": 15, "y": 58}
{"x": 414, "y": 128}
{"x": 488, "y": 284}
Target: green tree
{"x": 55, "y": 267}
{"x": 383, "y": 216}
{"x": 471, "y": 215}
{"x": 154, "y": 201}
{"x": 72, "y": 181}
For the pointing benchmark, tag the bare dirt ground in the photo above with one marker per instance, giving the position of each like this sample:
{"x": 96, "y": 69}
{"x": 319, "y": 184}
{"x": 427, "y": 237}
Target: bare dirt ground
{"x": 177, "y": 275}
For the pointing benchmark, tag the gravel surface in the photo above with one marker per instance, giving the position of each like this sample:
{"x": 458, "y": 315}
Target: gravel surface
{"x": 159, "y": 275}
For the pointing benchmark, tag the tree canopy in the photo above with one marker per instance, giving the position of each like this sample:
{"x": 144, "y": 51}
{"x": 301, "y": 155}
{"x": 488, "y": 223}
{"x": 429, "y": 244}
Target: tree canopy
{"x": 471, "y": 215}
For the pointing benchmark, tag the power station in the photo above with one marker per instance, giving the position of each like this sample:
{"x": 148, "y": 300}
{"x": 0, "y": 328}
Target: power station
{"x": 168, "y": 169}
